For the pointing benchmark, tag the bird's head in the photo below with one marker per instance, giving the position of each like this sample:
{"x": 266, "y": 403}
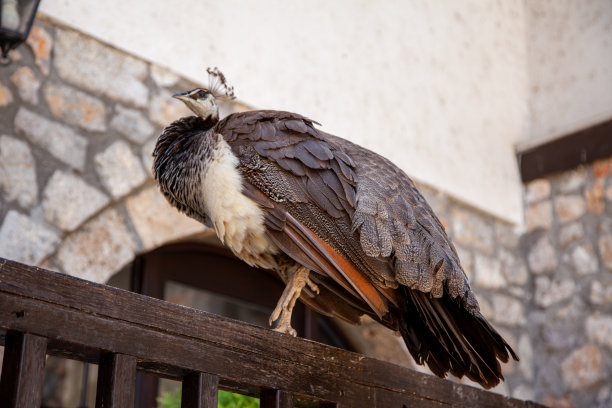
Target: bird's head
{"x": 201, "y": 102}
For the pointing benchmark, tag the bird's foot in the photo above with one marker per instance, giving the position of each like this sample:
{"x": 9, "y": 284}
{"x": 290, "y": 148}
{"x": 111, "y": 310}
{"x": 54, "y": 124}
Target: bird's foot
{"x": 283, "y": 325}
{"x": 297, "y": 279}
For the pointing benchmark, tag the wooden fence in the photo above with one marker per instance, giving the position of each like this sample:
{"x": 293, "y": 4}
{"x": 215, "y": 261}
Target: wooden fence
{"x": 43, "y": 312}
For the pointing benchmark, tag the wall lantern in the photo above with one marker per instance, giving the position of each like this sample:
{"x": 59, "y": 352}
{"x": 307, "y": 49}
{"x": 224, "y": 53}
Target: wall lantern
{"x": 16, "y": 18}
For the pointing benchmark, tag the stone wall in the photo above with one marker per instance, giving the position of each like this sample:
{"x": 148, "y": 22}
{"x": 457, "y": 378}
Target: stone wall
{"x": 568, "y": 247}
{"x": 79, "y": 120}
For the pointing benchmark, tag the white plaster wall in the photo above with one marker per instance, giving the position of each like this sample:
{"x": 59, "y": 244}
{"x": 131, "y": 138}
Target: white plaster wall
{"x": 569, "y": 47}
{"x": 438, "y": 87}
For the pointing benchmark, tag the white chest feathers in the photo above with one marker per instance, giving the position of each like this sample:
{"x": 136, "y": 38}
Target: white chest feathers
{"x": 238, "y": 220}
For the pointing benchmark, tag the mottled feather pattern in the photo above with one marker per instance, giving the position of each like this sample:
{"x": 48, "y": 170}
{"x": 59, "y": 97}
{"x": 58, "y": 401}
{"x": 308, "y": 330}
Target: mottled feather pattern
{"x": 178, "y": 160}
{"x": 297, "y": 147}
{"x": 396, "y": 208}
{"x": 369, "y": 213}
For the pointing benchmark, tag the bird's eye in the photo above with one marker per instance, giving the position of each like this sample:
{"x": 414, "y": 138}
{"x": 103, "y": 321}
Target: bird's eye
{"x": 202, "y": 94}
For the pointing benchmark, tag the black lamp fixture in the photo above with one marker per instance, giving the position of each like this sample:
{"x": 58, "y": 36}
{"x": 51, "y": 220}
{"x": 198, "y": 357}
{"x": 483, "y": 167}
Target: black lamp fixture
{"x": 16, "y": 18}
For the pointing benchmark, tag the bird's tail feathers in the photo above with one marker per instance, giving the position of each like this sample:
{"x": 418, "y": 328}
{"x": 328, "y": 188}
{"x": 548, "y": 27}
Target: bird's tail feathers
{"x": 448, "y": 338}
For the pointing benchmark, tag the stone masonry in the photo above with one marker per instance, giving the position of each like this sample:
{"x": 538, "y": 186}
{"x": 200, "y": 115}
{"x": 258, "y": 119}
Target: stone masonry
{"x": 568, "y": 248}
{"x": 78, "y": 124}
{"x": 75, "y": 146}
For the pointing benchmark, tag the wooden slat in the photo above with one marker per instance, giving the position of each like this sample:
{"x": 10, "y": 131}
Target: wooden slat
{"x": 172, "y": 340}
{"x": 116, "y": 381}
{"x": 23, "y": 369}
{"x": 200, "y": 390}
{"x": 276, "y": 399}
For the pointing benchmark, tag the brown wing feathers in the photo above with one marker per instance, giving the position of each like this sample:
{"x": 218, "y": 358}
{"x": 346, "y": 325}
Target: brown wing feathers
{"x": 365, "y": 228}
{"x": 299, "y": 149}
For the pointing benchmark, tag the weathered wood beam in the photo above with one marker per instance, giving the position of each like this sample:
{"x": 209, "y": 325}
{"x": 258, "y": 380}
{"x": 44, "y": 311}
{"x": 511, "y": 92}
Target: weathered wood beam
{"x": 85, "y": 320}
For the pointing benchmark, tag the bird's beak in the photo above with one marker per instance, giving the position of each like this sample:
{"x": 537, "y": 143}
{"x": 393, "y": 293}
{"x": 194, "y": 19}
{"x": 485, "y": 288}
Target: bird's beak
{"x": 183, "y": 96}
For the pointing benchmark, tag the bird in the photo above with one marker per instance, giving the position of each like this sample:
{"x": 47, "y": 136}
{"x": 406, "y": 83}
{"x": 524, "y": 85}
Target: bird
{"x": 345, "y": 229}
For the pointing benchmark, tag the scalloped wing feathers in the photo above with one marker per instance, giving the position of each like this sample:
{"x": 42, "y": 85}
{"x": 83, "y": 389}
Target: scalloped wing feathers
{"x": 341, "y": 210}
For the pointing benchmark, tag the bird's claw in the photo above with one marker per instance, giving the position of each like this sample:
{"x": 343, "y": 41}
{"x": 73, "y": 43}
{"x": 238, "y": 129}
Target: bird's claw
{"x": 282, "y": 312}
{"x": 313, "y": 286}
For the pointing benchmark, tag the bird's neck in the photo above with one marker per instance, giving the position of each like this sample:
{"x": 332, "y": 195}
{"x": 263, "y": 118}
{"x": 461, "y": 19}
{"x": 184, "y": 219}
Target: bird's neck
{"x": 180, "y": 154}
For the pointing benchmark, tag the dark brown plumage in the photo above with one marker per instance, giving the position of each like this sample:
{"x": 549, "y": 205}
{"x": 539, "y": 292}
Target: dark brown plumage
{"x": 353, "y": 219}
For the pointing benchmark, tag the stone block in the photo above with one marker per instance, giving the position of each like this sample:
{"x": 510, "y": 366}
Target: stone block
{"x": 539, "y": 215}
{"x": 572, "y": 180}
{"x": 595, "y": 197}
{"x": 542, "y": 257}
{"x": 608, "y": 189}
{"x": 601, "y": 292}
{"x": 164, "y": 109}
{"x": 605, "y": 250}
{"x": 507, "y": 310}
{"x": 472, "y": 230}
{"x": 68, "y": 201}
{"x": 76, "y": 107}
{"x": 59, "y": 140}
{"x": 156, "y": 221}
{"x": 467, "y": 261}
{"x": 506, "y": 235}
{"x": 556, "y": 333}
{"x": 537, "y": 190}
{"x": 599, "y": 329}
{"x": 99, "y": 249}
{"x": 583, "y": 368}
{"x": 570, "y": 207}
{"x": 24, "y": 240}
{"x": 132, "y": 124}
{"x": 513, "y": 267}
{"x": 525, "y": 352}
{"x": 570, "y": 233}
{"x": 488, "y": 272}
{"x": 486, "y": 308}
{"x": 98, "y": 68}
{"x": 584, "y": 259}
{"x": 6, "y": 97}
{"x": 41, "y": 43}
{"x": 572, "y": 310}
{"x": 17, "y": 172}
{"x": 548, "y": 292}
{"x": 27, "y": 84}
{"x": 119, "y": 169}
{"x": 146, "y": 155}
{"x": 602, "y": 167}
{"x": 163, "y": 77}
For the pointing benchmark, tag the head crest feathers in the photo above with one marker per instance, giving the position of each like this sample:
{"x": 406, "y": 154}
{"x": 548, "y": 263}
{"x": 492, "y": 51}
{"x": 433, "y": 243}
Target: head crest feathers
{"x": 218, "y": 84}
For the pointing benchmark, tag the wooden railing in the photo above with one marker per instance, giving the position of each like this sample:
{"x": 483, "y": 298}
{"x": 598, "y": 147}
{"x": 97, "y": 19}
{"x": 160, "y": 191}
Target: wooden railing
{"x": 43, "y": 312}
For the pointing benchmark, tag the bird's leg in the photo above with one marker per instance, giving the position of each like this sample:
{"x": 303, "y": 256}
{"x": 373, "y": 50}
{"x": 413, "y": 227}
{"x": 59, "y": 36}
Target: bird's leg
{"x": 297, "y": 278}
